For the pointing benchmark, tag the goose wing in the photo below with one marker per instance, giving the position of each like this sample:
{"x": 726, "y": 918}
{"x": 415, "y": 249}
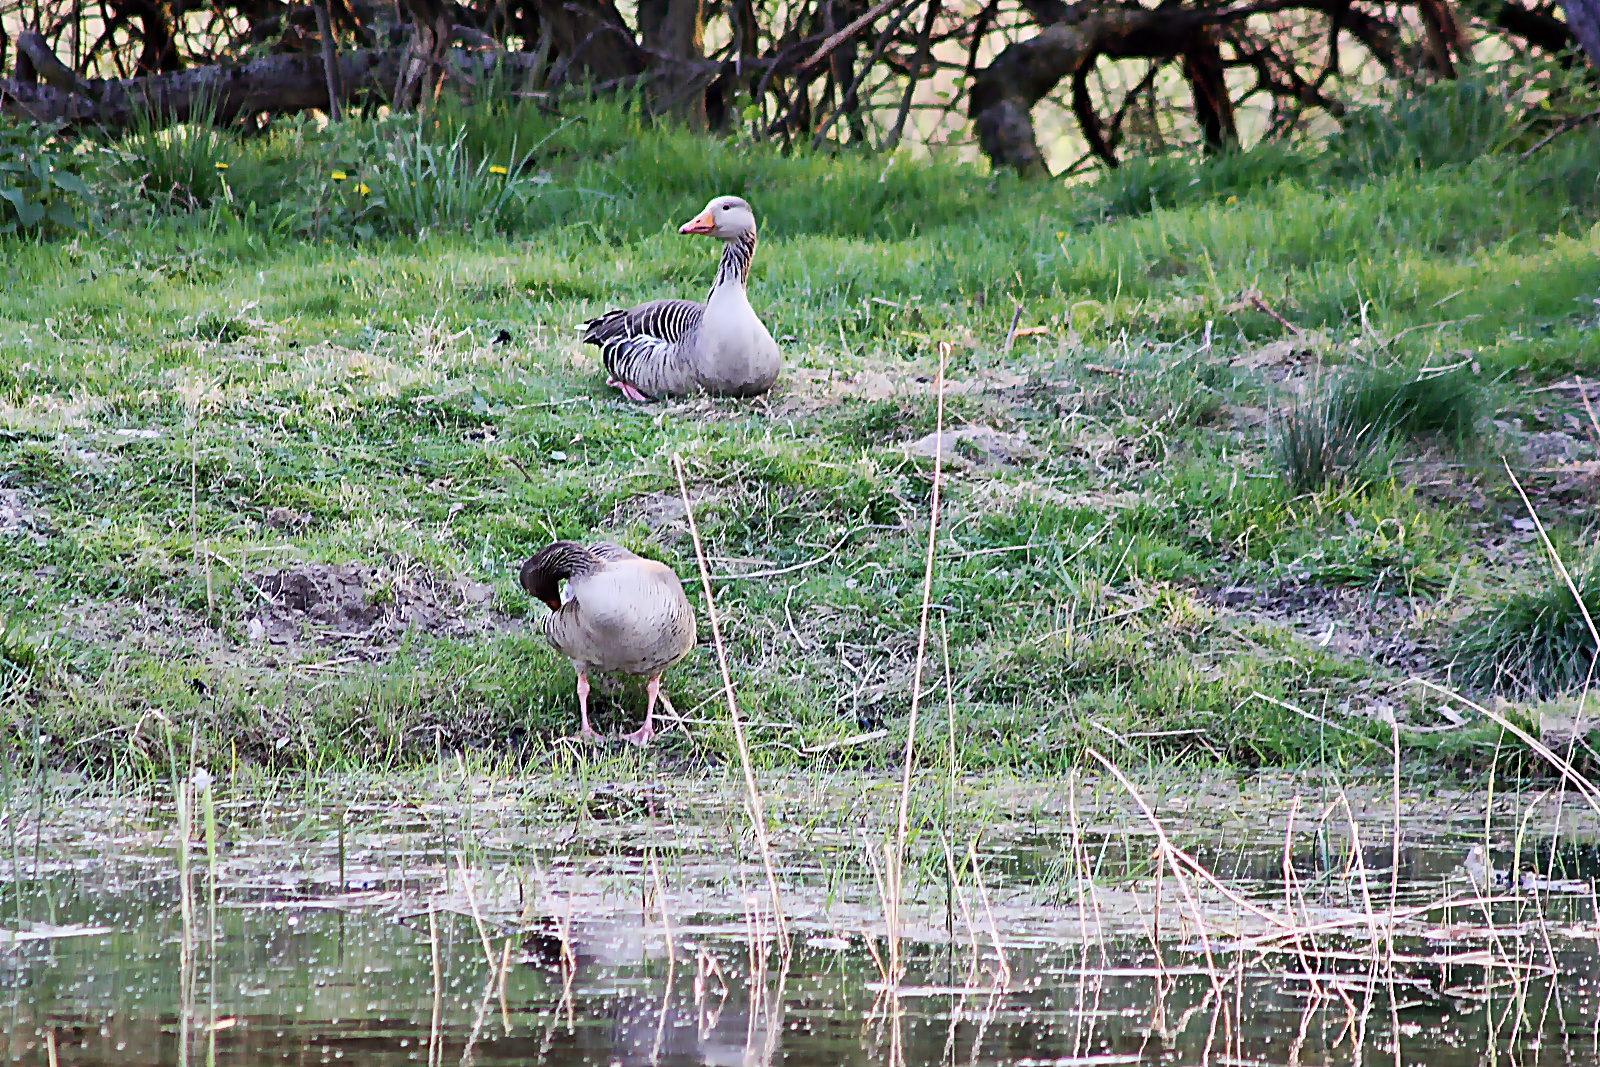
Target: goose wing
{"x": 646, "y": 345}
{"x": 663, "y": 320}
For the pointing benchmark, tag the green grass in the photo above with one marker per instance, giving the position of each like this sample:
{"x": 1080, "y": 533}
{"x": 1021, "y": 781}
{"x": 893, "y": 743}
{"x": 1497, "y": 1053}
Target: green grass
{"x": 289, "y": 376}
{"x": 1535, "y": 643}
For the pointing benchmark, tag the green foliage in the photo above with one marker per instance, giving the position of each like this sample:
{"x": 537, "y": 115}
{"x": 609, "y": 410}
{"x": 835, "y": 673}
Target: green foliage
{"x": 1324, "y": 441}
{"x": 1408, "y": 402}
{"x": 1343, "y": 429}
{"x": 178, "y": 166}
{"x": 1147, "y": 183}
{"x": 23, "y": 654}
{"x": 417, "y": 401}
{"x": 1534, "y": 643}
{"x": 419, "y": 185}
{"x": 39, "y": 190}
{"x": 1451, "y": 122}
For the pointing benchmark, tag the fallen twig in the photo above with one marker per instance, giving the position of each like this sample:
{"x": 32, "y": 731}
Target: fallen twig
{"x": 1570, "y": 124}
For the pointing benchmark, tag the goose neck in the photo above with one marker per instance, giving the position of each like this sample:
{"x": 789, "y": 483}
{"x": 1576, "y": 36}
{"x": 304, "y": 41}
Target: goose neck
{"x": 736, "y": 256}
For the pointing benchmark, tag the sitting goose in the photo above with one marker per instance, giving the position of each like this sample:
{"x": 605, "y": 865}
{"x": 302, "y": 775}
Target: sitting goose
{"x": 676, "y": 347}
{"x": 620, "y": 613}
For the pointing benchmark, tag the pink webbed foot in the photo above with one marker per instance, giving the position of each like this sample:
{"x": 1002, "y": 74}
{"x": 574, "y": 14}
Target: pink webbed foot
{"x": 640, "y": 737}
{"x": 628, "y": 390}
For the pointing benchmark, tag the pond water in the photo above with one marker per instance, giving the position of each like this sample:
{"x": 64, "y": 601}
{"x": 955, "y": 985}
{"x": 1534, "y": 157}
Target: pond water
{"x": 434, "y": 921}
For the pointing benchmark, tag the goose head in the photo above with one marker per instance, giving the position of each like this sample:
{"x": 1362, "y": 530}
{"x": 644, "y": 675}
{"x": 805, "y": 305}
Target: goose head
{"x": 726, "y": 217}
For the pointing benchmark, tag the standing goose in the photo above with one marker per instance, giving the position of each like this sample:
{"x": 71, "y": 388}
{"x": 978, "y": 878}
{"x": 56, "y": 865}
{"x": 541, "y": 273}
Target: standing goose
{"x": 676, "y": 347}
{"x": 620, "y": 614}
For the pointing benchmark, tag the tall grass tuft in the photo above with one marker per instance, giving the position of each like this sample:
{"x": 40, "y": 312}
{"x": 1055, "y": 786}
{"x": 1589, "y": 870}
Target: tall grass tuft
{"x": 1343, "y": 430}
{"x": 1406, "y": 402}
{"x": 1451, "y": 123}
{"x": 1322, "y": 442}
{"x": 1536, "y": 643}
{"x": 178, "y": 166}
{"x": 420, "y": 186}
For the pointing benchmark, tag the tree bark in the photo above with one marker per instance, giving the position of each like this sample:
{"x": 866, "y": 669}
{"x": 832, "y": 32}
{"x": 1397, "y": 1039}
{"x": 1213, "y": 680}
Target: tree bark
{"x": 159, "y": 50}
{"x": 330, "y": 61}
{"x": 590, "y": 40}
{"x": 673, "y": 31}
{"x": 1583, "y": 19}
{"x": 1202, "y": 66}
{"x": 1003, "y": 95}
{"x": 423, "y": 70}
{"x": 1542, "y": 30}
{"x": 285, "y": 83}
{"x": 1445, "y": 39}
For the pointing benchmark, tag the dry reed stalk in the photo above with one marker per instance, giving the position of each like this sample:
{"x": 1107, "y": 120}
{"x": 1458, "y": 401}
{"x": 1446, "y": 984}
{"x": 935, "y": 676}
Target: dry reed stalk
{"x": 1165, "y": 843}
{"x": 1003, "y": 969}
{"x": 505, "y": 1008}
{"x": 1080, "y": 874}
{"x": 1371, "y": 917}
{"x": 666, "y": 993}
{"x": 758, "y": 820}
{"x": 1305, "y": 1026}
{"x": 1182, "y": 859}
{"x": 1555, "y": 557}
{"x": 435, "y": 1052}
{"x": 50, "y": 1047}
{"x": 1583, "y": 394}
{"x": 896, "y": 863}
{"x": 983, "y": 1024}
{"x": 949, "y": 708}
{"x": 478, "y": 1020}
{"x": 661, "y": 906}
{"x": 1394, "y": 887}
{"x": 966, "y": 913}
{"x": 1585, "y": 788}
{"x": 477, "y": 918}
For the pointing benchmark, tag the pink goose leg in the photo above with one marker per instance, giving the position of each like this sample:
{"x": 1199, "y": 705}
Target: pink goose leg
{"x": 628, "y": 390}
{"x": 587, "y": 733}
{"x": 643, "y": 734}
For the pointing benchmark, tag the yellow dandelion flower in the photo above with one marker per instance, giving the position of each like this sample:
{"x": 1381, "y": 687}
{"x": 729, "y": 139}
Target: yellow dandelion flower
{"x": 339, "y": 175}
{"x": 362, "y": 189}
{"x": 221, "y": 166}
{"x": 497, "y": 169}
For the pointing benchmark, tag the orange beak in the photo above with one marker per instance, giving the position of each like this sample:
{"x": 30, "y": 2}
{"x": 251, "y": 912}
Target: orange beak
{"x": 701, "y": 223}
{"x": 553, "y": 604}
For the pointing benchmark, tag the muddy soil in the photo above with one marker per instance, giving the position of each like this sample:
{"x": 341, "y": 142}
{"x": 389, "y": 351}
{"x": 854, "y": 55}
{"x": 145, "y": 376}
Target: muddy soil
{"x": 367, "y": 611}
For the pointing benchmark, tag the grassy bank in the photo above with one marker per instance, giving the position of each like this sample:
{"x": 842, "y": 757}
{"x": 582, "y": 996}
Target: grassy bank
{"x": 275, "y": 438}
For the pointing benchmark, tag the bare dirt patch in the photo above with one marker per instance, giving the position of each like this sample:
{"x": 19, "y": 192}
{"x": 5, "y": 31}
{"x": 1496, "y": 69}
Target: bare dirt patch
{"x": 367, "y": 611}
{"x": 298, "y": 613}
{"x": 1383, "y": 629}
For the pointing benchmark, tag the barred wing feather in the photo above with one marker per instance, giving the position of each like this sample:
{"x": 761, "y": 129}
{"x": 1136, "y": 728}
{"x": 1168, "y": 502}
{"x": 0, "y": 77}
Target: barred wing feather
{"x": 644, "y": 345}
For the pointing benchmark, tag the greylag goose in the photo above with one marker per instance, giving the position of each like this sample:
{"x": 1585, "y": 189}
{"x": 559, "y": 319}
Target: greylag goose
{"x": 677, "y": 347}
{"x": 620, "y": 613}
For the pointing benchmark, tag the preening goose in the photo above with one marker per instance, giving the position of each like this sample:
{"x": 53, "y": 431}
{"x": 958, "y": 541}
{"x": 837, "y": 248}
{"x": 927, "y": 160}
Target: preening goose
{"x": 676, "y": 347}
{"x": 620, "y": 614}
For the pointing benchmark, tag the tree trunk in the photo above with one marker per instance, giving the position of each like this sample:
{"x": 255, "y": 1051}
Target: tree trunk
{"x": 1583, "y": 18}
{"x": 423, "y": 70}
{"x": 1444, "y": 36}
{"x": 286, "y": 83}
{"x": 673, "y": 31}
{"x": 1003, "y": 95}
{"x": 1202, "y": 66}
{"x": 159, "y": 51}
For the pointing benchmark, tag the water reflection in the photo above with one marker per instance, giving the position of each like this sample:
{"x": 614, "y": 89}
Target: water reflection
{"x": 398, "y": 947}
